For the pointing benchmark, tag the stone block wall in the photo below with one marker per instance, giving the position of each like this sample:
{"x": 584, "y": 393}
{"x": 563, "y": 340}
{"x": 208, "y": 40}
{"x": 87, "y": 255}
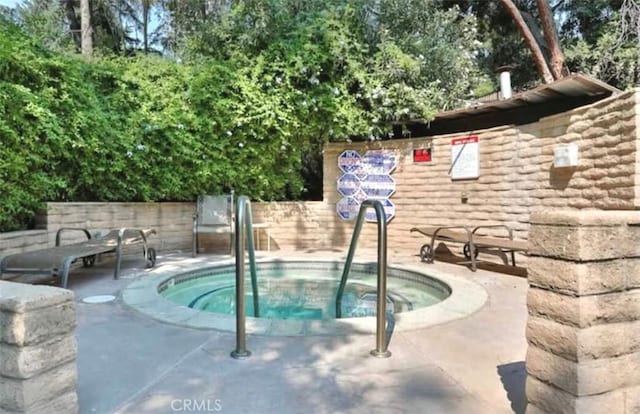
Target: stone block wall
{"x": 19, "y": 241}
{"x": 37, "y": 350}
{"x": 516, "y": 172}
{"x": 302, "y": 225}
{"x": 173, "y": 221}
{"x": 607, "y": 135}
{"x": 583, "y": 328}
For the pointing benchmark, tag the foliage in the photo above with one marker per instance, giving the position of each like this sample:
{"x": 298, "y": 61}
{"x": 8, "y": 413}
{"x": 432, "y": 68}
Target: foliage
{"x": 247, "y": 107}
{"x": 584, "y": 28}
{"x": 615, "y": 56}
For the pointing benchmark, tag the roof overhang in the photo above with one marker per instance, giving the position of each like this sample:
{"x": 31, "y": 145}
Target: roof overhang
{"x": 570, "y": 87}
{"x": 524, "y": 107}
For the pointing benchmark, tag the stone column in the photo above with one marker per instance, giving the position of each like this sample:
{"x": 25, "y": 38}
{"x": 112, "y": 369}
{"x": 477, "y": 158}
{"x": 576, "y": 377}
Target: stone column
{"x": 583, "y": 329}
{"x": 37, "y": 350}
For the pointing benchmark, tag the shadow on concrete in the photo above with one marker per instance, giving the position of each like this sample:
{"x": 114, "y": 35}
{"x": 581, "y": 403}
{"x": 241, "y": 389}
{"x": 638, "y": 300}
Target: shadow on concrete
{"x": 129, "y": 363}
{"x": 445, "y": 254}
{"x": 288, "y": 375}
{"x": 513, "y": 377}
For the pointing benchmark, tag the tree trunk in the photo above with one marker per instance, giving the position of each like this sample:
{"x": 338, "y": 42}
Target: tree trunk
{"x": 551, "y": 37}
{"x": 146, "y": 7}
{"x": 538, "y": 56}
{"x": 72, "y": 20}
{"x": 86, "y": 30}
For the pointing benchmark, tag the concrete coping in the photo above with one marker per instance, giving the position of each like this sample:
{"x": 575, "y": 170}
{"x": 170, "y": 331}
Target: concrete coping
{"x": 142, "y": 295}
{"x": 585, "y": 218}
{"x": 21, "y": 298}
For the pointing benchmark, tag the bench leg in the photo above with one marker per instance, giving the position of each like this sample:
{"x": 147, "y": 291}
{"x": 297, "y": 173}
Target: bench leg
{"x": 472, "y": 251}
{"x": 116, "y": 271}
{"x": 64, "y": 275}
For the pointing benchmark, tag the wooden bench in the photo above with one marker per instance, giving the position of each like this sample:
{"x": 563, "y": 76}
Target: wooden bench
{"x": 472, "y": 241}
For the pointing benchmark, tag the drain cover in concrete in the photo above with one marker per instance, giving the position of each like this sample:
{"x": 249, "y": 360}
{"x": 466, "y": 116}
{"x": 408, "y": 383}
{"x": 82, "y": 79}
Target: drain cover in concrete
{"x": 99, "y": 299}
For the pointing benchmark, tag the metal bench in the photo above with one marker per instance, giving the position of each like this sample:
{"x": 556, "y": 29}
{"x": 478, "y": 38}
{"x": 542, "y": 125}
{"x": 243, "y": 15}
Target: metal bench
{"x": 472, "y": 241}
{"x": 56, "y": 261}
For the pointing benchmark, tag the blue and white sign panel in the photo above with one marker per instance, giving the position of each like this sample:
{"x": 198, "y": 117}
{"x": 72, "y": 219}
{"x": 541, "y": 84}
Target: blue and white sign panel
{"x": 360, "y": 196}
{"x": 389, "y": 211}
{"x": 347, "y": 208}
{"x": 379, "y": 162}
{"x": 349, "y": 161}
{"x": 366, "y": 177}
{"x": 348, "y": 184}
{"x": 378, "y": 186}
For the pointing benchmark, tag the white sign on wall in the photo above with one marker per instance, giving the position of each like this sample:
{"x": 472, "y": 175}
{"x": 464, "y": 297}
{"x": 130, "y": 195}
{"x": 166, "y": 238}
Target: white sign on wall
{"x": 379, "y": 162}
{"x": 465, "y": 158}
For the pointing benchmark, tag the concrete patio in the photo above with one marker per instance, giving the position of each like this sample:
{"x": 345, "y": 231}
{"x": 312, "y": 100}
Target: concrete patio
{"x": 130, "y": 363}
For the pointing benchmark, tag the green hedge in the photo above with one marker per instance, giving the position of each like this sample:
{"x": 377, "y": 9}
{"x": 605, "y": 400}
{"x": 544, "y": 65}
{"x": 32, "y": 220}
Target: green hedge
{"x": 155, "y": 129}
{"x": 146, "y": 129}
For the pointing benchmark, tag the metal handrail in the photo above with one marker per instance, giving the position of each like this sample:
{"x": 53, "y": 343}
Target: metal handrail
{"x": 244, "y": 220}
{"x": 381, "y": 350}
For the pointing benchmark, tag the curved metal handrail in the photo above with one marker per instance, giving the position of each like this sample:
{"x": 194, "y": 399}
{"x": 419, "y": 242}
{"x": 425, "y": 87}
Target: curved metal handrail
{"x": 381, "y": 350}
{"x": 244, "y": 221}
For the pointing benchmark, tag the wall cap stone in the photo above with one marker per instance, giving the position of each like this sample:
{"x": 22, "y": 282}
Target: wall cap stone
{"x": 585, "y": 218}
{"x": 21, "y": 298}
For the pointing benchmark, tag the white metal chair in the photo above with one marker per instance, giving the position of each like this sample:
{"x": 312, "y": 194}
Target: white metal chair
{"x": 214, "y": 214}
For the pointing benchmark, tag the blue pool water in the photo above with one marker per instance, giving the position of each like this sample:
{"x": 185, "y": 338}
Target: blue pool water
{"x": 304, "y": 290}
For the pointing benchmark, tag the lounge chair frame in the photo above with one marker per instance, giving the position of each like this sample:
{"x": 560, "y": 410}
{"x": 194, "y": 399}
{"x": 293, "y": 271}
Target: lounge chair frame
{"x": 472, "y": 242}
{"x": 56, "y": 261}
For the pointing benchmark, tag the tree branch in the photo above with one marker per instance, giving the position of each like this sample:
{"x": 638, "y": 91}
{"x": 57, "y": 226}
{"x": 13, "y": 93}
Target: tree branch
{"x": 538, "y": 57}
{"x": 551, "y": 38}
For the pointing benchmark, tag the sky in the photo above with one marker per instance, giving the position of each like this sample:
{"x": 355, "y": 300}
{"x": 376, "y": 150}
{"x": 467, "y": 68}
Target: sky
{"x": 10, "y": 3}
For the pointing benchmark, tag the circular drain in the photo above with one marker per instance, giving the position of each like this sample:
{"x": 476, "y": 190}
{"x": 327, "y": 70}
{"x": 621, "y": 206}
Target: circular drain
{"x": 99, "y": 299}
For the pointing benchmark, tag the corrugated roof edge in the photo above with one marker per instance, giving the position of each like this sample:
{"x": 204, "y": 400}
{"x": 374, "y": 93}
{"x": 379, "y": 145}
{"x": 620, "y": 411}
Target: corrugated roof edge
{"x": 572, "y": 86}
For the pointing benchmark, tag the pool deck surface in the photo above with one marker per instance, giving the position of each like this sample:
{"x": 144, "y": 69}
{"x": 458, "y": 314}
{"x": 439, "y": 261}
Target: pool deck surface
{"x": 129, "y": 362}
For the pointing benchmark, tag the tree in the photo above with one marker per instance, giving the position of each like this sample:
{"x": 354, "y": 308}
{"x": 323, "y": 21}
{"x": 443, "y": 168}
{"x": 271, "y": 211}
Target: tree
{"x": 86, "y": 30}
{"x": 581, "y": 26}
{"x": 614, "y": 57}
{"x": 146, "y": 9}
{"x": 556, "y": 58}
{"x": 530, "y": 40}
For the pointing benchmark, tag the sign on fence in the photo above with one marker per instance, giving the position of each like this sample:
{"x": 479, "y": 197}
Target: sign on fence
{"x": 349, "y": 161}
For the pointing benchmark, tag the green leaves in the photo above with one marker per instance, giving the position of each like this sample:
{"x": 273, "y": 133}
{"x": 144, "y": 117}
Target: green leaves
{"x": 259, "y": 91}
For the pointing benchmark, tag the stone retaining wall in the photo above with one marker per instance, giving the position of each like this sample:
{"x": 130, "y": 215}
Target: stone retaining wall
{"x": 20, "y": 241}
{"x": 584, "y": 312}
{"x": 172, "y": 221}
{"x": 37, "y": 350}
